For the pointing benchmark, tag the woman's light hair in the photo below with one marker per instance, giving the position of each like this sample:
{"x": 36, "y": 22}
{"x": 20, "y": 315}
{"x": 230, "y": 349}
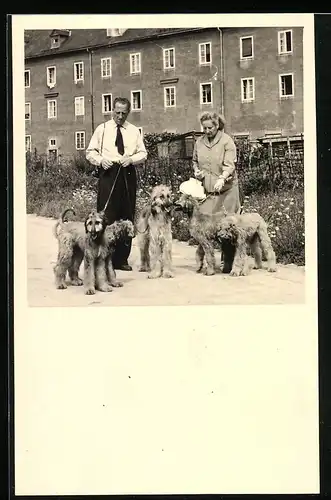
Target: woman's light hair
{"x": 216, "y": 118}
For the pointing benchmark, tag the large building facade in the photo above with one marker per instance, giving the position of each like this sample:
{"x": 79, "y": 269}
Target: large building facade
{"x": 253, "y": 75}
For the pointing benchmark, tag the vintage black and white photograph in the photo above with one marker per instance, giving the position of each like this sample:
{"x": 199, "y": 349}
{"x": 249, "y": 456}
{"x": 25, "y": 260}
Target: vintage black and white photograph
{"x": 164, "y": 181}
{"x": 165, "y": 166}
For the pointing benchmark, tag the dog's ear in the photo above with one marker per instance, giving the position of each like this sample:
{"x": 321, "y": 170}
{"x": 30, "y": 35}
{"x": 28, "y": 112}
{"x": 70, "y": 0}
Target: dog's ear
{"x": 142, "y": 222}
{"x": 85, "y": 223}
{"x": 104, "y": 219}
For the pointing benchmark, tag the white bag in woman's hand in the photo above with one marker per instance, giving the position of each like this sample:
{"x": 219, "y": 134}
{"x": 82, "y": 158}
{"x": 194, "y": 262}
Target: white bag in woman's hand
{"x": 194, "y": 188}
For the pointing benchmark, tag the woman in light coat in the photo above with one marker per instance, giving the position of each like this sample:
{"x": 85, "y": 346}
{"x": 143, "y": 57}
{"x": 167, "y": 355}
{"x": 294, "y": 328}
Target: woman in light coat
{"x": 214, "y": 159}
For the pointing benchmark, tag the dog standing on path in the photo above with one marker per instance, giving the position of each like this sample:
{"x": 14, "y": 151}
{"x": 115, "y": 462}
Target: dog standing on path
{"x": 203, "y": 228}
{"x": 154, "y": 234}
{"x": 95, "y": 253}
{"x": 72, "y": 240}
{"x": 242, "y": 230}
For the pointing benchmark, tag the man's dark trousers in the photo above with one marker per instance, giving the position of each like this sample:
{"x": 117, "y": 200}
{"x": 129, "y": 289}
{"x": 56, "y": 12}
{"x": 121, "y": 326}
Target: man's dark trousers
{"x": 121, "y": 205}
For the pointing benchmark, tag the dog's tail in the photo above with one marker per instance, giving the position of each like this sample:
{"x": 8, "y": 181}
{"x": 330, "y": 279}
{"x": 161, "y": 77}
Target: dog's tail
{"x": 62, "y": 220}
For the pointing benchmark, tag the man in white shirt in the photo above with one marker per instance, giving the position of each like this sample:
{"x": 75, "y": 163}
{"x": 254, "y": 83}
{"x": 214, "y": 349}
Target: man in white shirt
{"x": 114, "y": 144}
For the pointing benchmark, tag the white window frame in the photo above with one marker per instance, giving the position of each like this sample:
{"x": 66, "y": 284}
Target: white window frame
{"x": 29, "y": 106}
{"x": 133, "y": 57}
{"x": 104, "y": 112}
{"x": 102, "y": 62}
{"x": 280, "y": 33}
{"x": 28, "y": 150}
{"x": 52, "y": 146}
{"x": 287, "y": 96}
{"x": 141, "y": 100}
{"x": 49, "y": 108}
{"x": 77, "y": 63}
{"x": 49, "y": 84}
{"x": 164, "y": 58}
{"x": 165, "y": 97}
{"x": 201, "y": 93}
{"x": 141, "y": 131}
{"x": 242, "y": 57}
{"x": 80, "y": 102}
{"x": 109, "y": 31}
{"x": 29, "y": 73}
{"x": 84, "y": 140}
{"x": 250, "y": 99}
{"x": 201, "y": 62}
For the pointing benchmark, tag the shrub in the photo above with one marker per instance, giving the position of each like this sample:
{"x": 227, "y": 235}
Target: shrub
{"x": 50, "y": 188}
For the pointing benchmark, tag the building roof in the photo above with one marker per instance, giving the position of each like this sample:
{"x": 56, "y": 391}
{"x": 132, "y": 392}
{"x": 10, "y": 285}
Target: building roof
{"x": 38, "y": 42}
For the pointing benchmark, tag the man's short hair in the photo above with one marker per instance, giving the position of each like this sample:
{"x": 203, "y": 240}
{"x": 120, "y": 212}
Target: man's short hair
{"x": 123, "y": 100}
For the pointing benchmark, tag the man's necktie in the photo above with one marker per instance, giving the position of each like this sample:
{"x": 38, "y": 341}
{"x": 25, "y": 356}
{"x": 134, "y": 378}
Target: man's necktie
{"x": 119, "y": 141}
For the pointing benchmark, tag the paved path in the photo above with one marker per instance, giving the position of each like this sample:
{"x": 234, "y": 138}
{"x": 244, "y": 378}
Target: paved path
{"x": 187, "y": 288}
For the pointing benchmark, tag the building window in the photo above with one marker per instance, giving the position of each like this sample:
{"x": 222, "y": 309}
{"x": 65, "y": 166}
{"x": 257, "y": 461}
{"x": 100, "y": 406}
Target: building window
{"x": 136, "y": 101}
{"x": 80, "y": 140}
{"x": 51, "y": 76}
{"x": 170, "y": 97}
{"x": 79, "y": 106}
{"x": 141, "y": 131}
{"x": 27, "y": 78}
{"x": 106, "y": 67}
{"x": 52, "y": 109}
{"x": 28, "y": 110}
{"x": 246, "y": 47}
{"x": 206, "y": 96}
{"x": 78, "y": 72}
{"x": 28, "y": 143}
{"x": 247, "y": 90}
{"x": 135, "y": 66}
{"x": 285, "y": 42}
{"x": 52, "y": 143}
{"x": 55, "y": 43}
{"x": 205, "y": 53}
{"x": 107, "y": 103}
{"x": 286, "y": 87}
{"x": 168, "y": 58}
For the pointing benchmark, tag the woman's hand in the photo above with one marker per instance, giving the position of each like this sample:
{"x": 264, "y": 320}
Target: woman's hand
{"x": 219, "y": 184}
{"x": 199, "y": 174}
{"x": 105, "y": 164}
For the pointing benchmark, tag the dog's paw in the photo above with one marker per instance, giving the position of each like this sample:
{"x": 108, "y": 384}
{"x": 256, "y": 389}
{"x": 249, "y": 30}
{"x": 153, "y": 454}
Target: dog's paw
{"x": 116, "y": 284}
{"x": 77, "y": 282}
{"x": 271, "y": 269}
{"x": 90, "y": 291}
{"x": 62, "y": 286}
{"x": 168, "y": 274}
{"x": 144, "y": 269}
{"x": 105, "y": 288}
{"x": 209, "y": 271}
{"x": 237, "y": 272}
{"x": 153, "y": 276}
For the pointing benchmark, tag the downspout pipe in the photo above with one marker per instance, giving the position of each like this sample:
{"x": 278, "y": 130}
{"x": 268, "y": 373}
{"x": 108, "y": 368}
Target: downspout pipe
{"x": 90, "y": 53}
{"x": 221, "y": 70}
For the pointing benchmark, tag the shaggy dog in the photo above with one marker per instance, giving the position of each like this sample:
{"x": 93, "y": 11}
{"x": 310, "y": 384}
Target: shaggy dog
{"x": 72, "y": 240}
{"x": 203, "y": 228}
{"x": 242, "y": 231}
{"x": 154, "y": 234}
